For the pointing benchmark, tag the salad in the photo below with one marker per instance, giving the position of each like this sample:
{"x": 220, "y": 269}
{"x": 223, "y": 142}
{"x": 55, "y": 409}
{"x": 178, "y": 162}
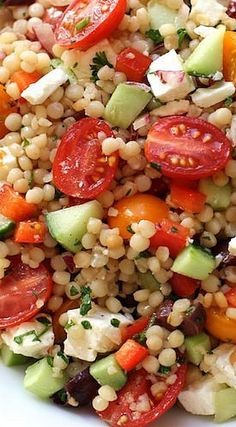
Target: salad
{"x": 118, "y": 204}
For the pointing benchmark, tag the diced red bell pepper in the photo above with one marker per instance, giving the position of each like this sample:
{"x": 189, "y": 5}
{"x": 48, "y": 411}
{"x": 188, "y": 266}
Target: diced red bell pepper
{"x": 171, "y": 234}
{"x": 14, "y": 206}
{"x": 30, "y": 232}
{"x": 138, "y": 326}
{"x": 130, "y": 355}
{"x": 184, "y": 286}
{"x": 133, "y": 63}
{"x": 186, "y": 198}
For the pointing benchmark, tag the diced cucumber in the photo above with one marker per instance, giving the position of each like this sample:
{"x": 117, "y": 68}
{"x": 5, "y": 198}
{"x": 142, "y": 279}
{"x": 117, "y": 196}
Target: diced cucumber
{"x": 196, "y": 346}
{"x": 148, "y": 281}
{"x": 11, "y": 359}
{"x": 39, "y": 379}
{"x": 225, "y": 404}
{"x": 67, "y": 226}
{"x": 6, "y": 226}
{"x": 217, "y": 197}
{"x": 194, "y": 262}
{"x": 107, "y": 372}
{"x": 125, "y": 104}
{"x": 207, "y": 58}
{"x": 159, "y": 14}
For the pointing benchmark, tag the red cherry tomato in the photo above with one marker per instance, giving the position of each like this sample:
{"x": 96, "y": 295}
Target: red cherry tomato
{"x": 171, "y": 234}
{"x": 86, "y": 22}
{"x": 133, "y": 63}
{"x": 187, "y": 147}
{"x": 183, "y": 286}
{"x": 231, "y": 297}
{"x": 20, "y": 291}
{"x": 137, "y": 385}
{"x": 80, "y": 169}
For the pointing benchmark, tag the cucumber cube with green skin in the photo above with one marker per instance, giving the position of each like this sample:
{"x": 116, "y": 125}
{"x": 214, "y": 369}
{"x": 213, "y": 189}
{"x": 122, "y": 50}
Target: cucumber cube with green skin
{"x": 6, "y": 226}
{"x": 207, "y": 58}
{"x": 67, "y": 226}
{"x": 39, "y": 379}
{"x": 126, "y": 103}
{"x": 11, "y": 359}
{"x": 159, "y": 14}
{"x": 217, "y": 197}
{"x": 225, "y": 404}
{"x": 194, "y": 262}
{"x": 107, "y": 372}
{"x": 148, "y": 281}
{"x": 196, "y": 346}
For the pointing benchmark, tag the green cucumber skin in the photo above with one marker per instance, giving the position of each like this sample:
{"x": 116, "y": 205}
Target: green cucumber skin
{"x": 11, "y": 359}
{"x": 225, "y": 404}
{"x": 196, "y": 347}
{"x": 7, "y": 226}
{"x": 217, "y": 197}
{"x": 194, "y": 262}
{"x": 99, "y": 371}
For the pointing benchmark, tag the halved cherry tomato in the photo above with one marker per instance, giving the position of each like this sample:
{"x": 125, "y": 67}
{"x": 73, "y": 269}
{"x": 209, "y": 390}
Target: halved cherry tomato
{"x": 59, "y": 331}
{"x": 187, "y": 147}
{"x": 80, "y": 169}
{"x": 186, "y": 198}
{"x": 30, "y": 232}
{"x": 231, "y": 297}
{"x": 138, "y": 384}
{"x": 171, "y": 234}
{"x": 137, "y": 207}
{"x": 3, "y": 130}
{"x": 86, "y": 22}
{"x": 229, "y": 57}
{"x": 220, "y": 326}
{"x": 52, "y": 15}
{"x": 7, "y": 104}
{"x": 183, "y": 286}
{"x": 14, "y": 206}
{"x": 138, "y": 326}
{"x": 20, "y": 292}
{"x": 133, "y": 63}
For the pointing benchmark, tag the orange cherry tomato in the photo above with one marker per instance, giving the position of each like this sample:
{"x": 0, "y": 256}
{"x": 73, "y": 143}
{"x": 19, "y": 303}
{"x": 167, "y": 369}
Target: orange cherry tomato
{"x": 137, "y": 207}
{"x": 220, "y": 326}
{"x": 59, "y": 332}
{"x": 229, "y": 56}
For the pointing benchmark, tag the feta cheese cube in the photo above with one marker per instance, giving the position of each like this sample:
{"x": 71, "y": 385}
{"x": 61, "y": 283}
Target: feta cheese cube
{"x": 101, "y": 337}
{"x": 167, "y": 78}
{"x": 38, "y": 92}
{"x": 232, "y": 246}
{"x": 206, "y": 97}
{"x": 7, "y": 159}
{"x": 222, "y": 369}
{"x": 27, "y": 344}
{"x": 211, "y": 10}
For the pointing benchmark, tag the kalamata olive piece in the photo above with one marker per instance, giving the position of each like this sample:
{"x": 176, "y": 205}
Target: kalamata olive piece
{"x": 162, "y": 314}
{"x": 83, "y": 387}
{"x": 17, "y": 2}
{"x": 194, "y": 320}
{"x": 128, "y": 301}
{"x": 60, "y": 397}
{"x": 221, "y": 249}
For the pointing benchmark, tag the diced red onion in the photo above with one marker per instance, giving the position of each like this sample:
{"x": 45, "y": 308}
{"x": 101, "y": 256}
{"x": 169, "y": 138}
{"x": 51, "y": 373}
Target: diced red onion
{"x": 142, "y": 86}
{"x": 68, "y": 258}
{"x": 173, "y": 78}
{"x": 141, "y": 121}
{"x": 2, "y": 56}
{"x": 45, "y": 36}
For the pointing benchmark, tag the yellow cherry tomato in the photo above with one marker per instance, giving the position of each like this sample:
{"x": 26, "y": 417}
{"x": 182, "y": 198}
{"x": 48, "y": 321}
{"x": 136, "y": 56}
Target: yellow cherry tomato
{"x": 134, "y": 209}
{"x": 220, "y": 326}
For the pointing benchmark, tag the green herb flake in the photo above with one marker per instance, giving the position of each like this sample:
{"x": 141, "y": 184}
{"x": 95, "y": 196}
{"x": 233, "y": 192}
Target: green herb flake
{"x": 156, "y": 166}
{"x": 140, "y": 337}
{"x": 58, "y": 194}
{"x": 86, "y": 324}
{"x": 83, "y": 23}
{"x": 19, "y": 338}
{"x": 63, "y": 356}
{"x": 115, "y": 323}
{"x": 50, "y": 361}
{"x": 228, "y": 101}
{"x": 99, "y": 61}
{"x": 128, "y": 192}
{"x": 164, "y": 370}
{"x": 86, "y": 302}
{"x": 143, "y": 254}
{"x": 43, "y": 320}
{"x": 25, "y": 143}
{"x": 73, "y": 291}
{"x": 31, "y": 179}
{"x": 182, "y": 35}
{"x": 62, "y": 395}
{"x": 174, "y": 229}
{"x": 155, "y": 36}
{"x": 129, "y": 229}
{"x": 69, "y": 324}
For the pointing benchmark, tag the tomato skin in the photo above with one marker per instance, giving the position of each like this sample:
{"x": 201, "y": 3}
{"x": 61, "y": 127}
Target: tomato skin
{"x": 171, "y": 234}
{"x": 183, "y": 286}
{"x": 220, "y": 326}
{"x": 20, "y": 290}
{"x": 80, "y": 169}
{"x": 187, "y": 199}
{"x": 59, "y": 331}
{"x": 140, "y": 206}
{"x": 187, "y": 147}
{"x": 105, "y": 16}
{"x": 52, "y": 15}
{"x": 229, "y": 56}
{"x": 133, "y": 63}
{"x": 138, "y": 384}
{"x": 231, "y": 297}
{"x": 139, "y": 325}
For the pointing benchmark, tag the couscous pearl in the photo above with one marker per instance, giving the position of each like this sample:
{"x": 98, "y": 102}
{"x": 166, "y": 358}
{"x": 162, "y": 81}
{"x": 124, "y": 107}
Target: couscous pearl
{"x": 113, "y": 304}
{"x": 95, "y": 109}
{"x": 139, "y": 243}
{"x": 155, "y": 299}
{"x": 181, "y": 305}
{"x": 167, "y": 357}
{"x": 4, "y": 250}
{"x": 55, "y": 110}
{"x": 4, "y": 75}
{"x": 35, "y": 195}
{"x": 13, "y": 122}
{"x": 155, "y": 330}
{"x": 107, "y": 393}
{"x": 82, "y": 259}
{"x": 11, "y": 63}
{"x": 99, "y": 404}
{"x": 151, "y": 364}
{"x": 61, "y": 278}
{"x": 176, "y": 339}
{"x": 141, "y": 295}
{"x": 54, "y": 303}
{"x": 154, "y": 343}
{"x": 146, "y": 228}
{"x": 109, "y": 145}
{"x": 36, "y": 10}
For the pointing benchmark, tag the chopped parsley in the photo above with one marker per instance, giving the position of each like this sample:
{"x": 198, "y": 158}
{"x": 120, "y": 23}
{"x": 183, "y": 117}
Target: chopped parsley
{"x": 115, "y": 323}
{"x": 99, "y": 61}
{"x": 31, "y": 179}
{"x": 129, "y": 229}
{"x": 86, "y": 324}
{"x": 155, "y": 36}
{"x": 141, "y": 338}
{"x": 44, "y": 320}
{"x": 58, "y": 194}
{"x": 73, "y": 291}
{"x": 50, "y": 361}
{"x": 156, "y": 166}
{"x": 228, "y": 101}
{"x": 63, "y": 356}
{"x": 143, "y": 254}
{"x": 165, "y": 370}
{"x": 25, "y": 143}
{"x": 86, "y": 302}
{"x": 83, "y": 23}
{"x": 69, "y": 324}
{"x": 182, "y": 35}
{"x": 19, "y": 338}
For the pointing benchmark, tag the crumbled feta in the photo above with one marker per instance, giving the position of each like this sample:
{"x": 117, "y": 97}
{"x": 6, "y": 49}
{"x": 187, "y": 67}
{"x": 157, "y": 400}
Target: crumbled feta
{"x": 232, "y": 246}
{"x": 27, "y": 344}
{"x": 7, "y": 159}
{"x": 204, "y": 31}
{"x": 102, "y": 337}
{"x": 222, "y": 369}
{"x": 207, "y": 12}
{"x": 38, "y": 92}
{"x": 172, "y": 108}
{"x": 206, "y": 97}
{"x": 167, "y": 78}
{"x": 199, "y": 397}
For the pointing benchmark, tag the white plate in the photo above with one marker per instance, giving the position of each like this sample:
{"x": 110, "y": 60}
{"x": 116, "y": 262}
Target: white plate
{"x": 21, "y": 409}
